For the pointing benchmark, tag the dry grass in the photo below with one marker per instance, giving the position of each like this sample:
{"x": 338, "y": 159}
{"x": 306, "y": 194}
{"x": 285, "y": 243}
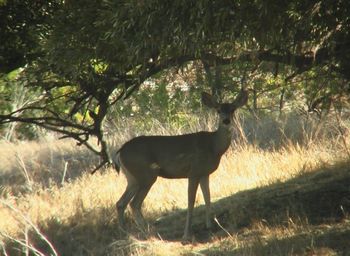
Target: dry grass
{"x": 254, "y": 194}
{"x": 28, "y": 166}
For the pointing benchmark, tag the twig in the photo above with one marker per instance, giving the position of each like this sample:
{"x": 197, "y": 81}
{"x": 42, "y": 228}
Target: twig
{"x": 224, "y": 229}
{"x": 24, "y": 170}
{"x": 64, "y": 172}
{"x": 25, "y": 244}
{"x": 26, "y": 237}
{"x": 342, "y": 135}
{"x": 99, "y": 166}
{"x": 2, "y": 245}
{"x": 31, "y": 224}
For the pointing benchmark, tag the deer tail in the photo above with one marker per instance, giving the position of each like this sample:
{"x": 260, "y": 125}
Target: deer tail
{"x": 116, "y": 161}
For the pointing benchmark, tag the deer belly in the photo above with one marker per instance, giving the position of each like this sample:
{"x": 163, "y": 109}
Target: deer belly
{"x": 186, "y": 166}
{"x": 174, "y": 169}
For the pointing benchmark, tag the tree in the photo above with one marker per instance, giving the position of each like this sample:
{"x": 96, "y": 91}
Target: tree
{"x": 95, "y": 53}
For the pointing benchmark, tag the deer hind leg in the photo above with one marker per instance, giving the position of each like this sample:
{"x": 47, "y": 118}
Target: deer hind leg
{"x": 122, "y": 203}
{"x": 128, "y": 194}
{"x": 136, "y": 203}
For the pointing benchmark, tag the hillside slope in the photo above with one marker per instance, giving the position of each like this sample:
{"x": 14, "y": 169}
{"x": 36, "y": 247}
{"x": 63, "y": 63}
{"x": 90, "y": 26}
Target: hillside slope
{"x": 308, "y": 212}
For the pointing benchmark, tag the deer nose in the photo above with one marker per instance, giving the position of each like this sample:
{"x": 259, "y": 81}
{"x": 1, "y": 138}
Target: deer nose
{"x": 226, "y": 121}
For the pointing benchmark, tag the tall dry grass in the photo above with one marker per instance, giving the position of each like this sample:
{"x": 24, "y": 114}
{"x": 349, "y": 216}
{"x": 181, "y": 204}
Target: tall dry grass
{"x": 27, "y": 166}
{"x": 76, "y": 210}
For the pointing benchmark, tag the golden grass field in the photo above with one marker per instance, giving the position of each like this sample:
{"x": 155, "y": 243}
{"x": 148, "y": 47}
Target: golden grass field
{"x": 279, "y": 190}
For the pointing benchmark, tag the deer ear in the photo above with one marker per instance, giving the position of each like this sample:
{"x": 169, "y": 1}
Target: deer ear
{"x": 209, "y": 100}
{"x": 240, "y": 100}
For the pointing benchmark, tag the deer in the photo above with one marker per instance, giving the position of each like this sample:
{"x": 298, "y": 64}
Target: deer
{"x": 193, "y": 156}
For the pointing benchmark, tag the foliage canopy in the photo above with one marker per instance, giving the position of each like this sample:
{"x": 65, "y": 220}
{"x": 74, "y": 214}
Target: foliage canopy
{"x": 81, "y": 57}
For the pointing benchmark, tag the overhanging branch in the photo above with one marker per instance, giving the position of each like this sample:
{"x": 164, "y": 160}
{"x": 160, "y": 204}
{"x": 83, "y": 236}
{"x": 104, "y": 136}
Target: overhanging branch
{"x": 103, "y": 85}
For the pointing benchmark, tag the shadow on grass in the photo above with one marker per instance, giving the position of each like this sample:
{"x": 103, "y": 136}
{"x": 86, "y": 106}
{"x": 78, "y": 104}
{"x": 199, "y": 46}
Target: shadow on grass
{"x": 321, "y": 197}
{"x": 327, "y": 241}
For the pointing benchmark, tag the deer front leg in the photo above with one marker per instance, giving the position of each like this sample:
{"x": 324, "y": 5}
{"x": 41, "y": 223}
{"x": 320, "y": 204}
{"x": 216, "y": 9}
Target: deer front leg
{"x": 192, "y": 190}
{"x": 204, "y": 182}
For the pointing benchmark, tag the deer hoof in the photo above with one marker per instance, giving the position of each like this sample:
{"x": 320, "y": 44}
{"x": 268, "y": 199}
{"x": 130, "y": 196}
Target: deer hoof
{"x": 187, "y": 239}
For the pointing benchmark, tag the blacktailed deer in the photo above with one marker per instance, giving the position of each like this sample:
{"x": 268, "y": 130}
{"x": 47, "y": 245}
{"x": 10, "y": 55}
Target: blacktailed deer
{"x": 194, "y": 156}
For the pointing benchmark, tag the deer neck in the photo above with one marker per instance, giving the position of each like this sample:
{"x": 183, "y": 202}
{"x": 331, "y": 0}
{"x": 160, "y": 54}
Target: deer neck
{"x": 222, "y": 139}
